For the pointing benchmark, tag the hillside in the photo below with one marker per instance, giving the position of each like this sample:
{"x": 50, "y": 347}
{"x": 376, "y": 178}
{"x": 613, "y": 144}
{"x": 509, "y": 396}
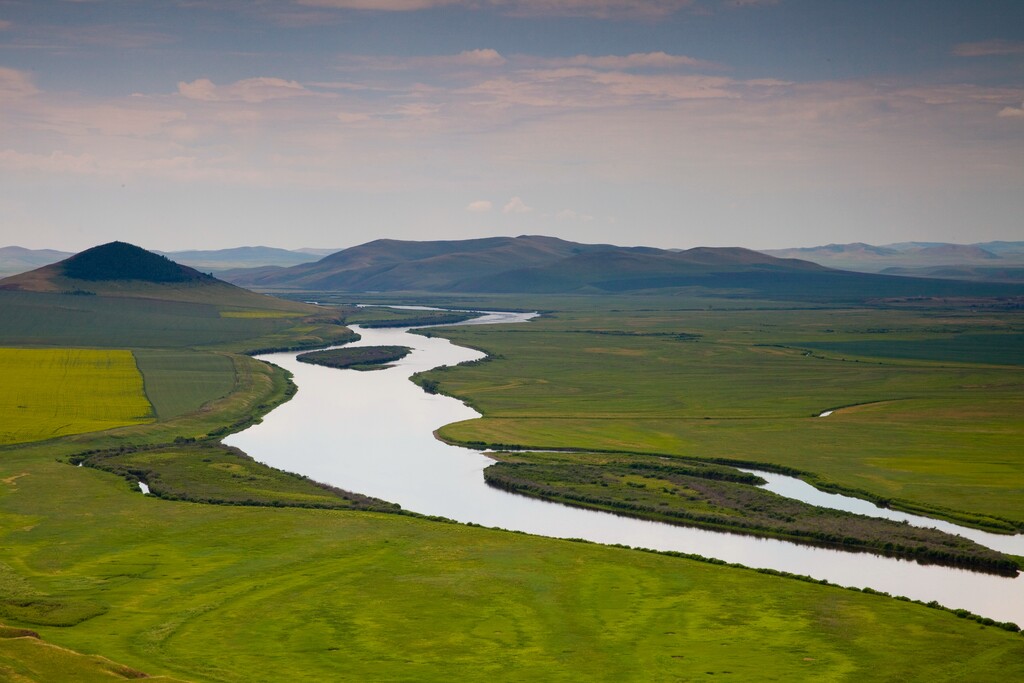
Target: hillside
{"x": 536, "y": 264}
{"x": 118, "y": 295}
{"x": 124, "y": 270}
{"x": 15, "y": 260}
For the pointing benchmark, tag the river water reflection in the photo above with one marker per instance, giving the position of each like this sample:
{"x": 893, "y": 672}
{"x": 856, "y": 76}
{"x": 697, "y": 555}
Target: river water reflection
{"x": 372, "y": 433}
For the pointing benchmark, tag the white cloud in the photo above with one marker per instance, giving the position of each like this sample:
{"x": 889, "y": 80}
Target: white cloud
{"x": 570, "y": 215}
{"x": 479, "y": 206}
{"x": 481, "y": 57}
{"x": 251, "y": 90}
{"x": 1012, "y": 112}
{"x": 988, "y": 48}
{"x": 516, "y": 205}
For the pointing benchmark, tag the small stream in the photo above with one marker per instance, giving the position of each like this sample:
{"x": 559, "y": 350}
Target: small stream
{"x": 372, "y": 433}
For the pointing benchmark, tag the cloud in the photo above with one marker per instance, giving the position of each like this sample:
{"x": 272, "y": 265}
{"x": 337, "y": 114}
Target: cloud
{"x": 4, "y": 24}
{"x": 516, "y": 205}
{"x": 637, "y": 60}
{"x": 381, "y": 5}
{"x": 750, "y": 3}
{"x": 988, "y": 48}
{"x": 570, "y": 215}
{"x": 603, "y": 9}
{"x": 15, "y": 84}
{"x": 251, "y": 90}
{"x": 484, "y": 57}
{"x": 1012, "y": 112}
{"x": 478, "y": 58}
{"x": 479, "y": 206}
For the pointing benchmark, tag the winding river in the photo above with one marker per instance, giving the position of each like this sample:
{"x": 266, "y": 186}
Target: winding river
{"x": 372, "y": 432}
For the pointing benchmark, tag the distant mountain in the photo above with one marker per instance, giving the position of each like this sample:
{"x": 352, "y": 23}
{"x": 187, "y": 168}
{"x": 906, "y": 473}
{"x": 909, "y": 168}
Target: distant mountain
{"x": 122, "y": 269}
{"x": 536, "y": 264}
{"x": 14, "y": 260}
{"x": 995, "y": 261}
{"x": 241, "y": 257}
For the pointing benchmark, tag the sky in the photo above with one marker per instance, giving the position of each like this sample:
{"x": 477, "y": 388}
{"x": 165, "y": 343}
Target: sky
{"x": 207, "y": 124}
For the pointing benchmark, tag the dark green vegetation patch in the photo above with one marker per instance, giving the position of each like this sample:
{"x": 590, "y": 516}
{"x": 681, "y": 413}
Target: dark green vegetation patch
{"x": 356, "y": 358}
{"x": 208, "y": 473}
{"x": 995, "y": 349}
{"x": 122, "y": 261}
{"x": 697, "y": 494}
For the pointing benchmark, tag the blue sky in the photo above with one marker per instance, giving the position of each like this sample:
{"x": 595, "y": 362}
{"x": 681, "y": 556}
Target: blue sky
{"x": 671, "y": 123}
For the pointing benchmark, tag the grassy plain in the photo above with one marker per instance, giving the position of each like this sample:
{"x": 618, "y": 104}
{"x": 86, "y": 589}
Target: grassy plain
{"x": 178, "y": 382}
{"x": 224, "y": 593}
{"x": 54, "y": 392}
{"x": 253, "y": 593}
{"x": 942, "y": 434}
{"x": 61, "y": 320}
{"x": 207, "y": 473}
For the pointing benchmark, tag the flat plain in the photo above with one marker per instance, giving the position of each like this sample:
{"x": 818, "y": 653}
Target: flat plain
{"x": 258, "y": 592}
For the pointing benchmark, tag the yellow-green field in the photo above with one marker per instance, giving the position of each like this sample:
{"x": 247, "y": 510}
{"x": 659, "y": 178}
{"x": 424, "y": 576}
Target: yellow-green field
{"x": 55, "y": 392}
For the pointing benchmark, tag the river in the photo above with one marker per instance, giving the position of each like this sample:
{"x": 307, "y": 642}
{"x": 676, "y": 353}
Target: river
{"x": 372, "y": 433}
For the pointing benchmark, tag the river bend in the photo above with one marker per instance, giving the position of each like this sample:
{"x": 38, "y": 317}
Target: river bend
{"x": 372, "y": 433}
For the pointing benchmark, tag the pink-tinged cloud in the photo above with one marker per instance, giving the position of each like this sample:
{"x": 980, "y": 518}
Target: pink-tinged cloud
{"x": 250, "y": 90}
{"x": 516, "y": 205}
{"x": 750, "y": 3}
{"x": 15, "y": 85}
{"x": 381, "y": 5}
{"x": 987, "y": 48}
{"x": 479, "y": 206}
{"x": 1012, "y": 112}
{"x": 483, "y": 58}
{"x": 4, "y": 24}
{"x": 638, "y": 60}
{"x": 54, "y": 162}
{"x": 571, "y": 8}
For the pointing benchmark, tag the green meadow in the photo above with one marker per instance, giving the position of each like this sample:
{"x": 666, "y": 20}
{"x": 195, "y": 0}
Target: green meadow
{"x": 275, "y": 578}
{"x": 939, "y": 432}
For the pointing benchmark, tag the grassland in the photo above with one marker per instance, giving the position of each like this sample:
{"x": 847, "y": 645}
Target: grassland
{"x": 937, "y": 435}
{"x": 179, "y": 382}
{"x": 55, "y": 392}
{"x": 263, "y": 593}
{"x": 188, "y": 590}
{"x": 62, "y": 320}
{"x": 25, "y": 657}
{"x": 212, "y": 473}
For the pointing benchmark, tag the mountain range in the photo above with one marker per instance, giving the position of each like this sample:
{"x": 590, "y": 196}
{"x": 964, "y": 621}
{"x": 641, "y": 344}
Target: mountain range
{"x": 537, "y": 264}
{"x": 14, "y": 260}
{"x": 993, "y": 261}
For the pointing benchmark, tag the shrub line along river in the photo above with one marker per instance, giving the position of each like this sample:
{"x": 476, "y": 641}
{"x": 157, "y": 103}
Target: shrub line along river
{"x": 372, "y": 433}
